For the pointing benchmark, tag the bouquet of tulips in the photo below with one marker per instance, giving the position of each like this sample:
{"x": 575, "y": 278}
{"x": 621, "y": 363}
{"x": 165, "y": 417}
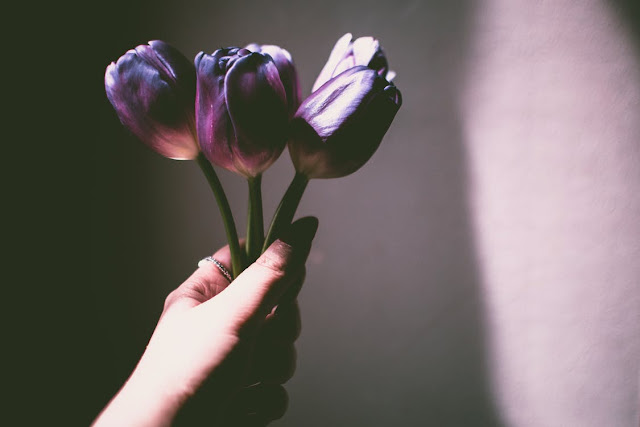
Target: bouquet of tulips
{"x": 239, "y": 107}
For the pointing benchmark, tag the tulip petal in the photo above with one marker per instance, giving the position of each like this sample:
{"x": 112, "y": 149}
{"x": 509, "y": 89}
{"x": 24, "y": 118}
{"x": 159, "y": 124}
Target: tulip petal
{"x": 339, "y": 127}
{"x": 288, "y": 75}
{"x": 347, "y": 54}
{"x": 339, "y": 99}
{"x": 377, "y": 61}
{"x": 254, "y": 47}
{"x": 364, "y": 49}
{"x": 213, "y": 124}
{"x": 179, "y": 67}
{"x": 257, "y": 105}
{"x": 150, "y": 104}
{"x": 340, "y": 50}
{"x": 391, "y": 75}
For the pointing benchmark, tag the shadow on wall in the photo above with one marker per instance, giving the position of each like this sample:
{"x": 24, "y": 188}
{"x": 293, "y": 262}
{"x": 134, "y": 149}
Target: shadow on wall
{"x": 629, "y": 10}
{"x": 403, "y": 343}
{"x": 393, "y": 314}
{"x": 438, "y": 374}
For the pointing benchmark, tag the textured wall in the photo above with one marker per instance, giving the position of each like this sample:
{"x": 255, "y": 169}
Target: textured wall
{"x": 552, "y": 130}
{"x": 479, "y": 270}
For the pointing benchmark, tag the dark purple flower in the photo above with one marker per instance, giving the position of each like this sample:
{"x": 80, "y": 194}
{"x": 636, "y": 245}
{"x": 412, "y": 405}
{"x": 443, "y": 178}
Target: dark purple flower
{"x": 348, "y": 53}
{"x": 282, "y": 58}
{"x": 340, "y": 125}
{"x": 241, "y": 110}
{"x": 152, "y": 89}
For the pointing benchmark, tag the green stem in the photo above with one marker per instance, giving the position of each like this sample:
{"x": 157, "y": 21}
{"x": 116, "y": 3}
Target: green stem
{"x": 255, "y": 222}
{"x": 225, "y": 211}
{"x": 287, "y": 208}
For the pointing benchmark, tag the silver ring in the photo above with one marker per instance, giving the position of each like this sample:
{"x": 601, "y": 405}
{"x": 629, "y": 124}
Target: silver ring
{"x": 218, "y": 264}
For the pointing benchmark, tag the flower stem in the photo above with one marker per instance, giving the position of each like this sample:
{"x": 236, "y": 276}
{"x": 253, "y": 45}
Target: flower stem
{"x": 287, "y": 208}
{"x": 255, "y": 222}
{"x": 225, "y": 211}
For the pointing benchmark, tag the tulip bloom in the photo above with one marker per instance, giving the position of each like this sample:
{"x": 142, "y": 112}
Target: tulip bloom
{"x": 339, "y": 127}
{"x": 284, "y": 63}
{"x": 152, "y": 89}
{"x": 348, "y": 54}
{"x": 241, "y": 110}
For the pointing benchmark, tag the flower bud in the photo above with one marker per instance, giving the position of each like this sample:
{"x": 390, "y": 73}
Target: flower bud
{"x": 241, "y": 110}
{"x": 347, "y": 53}
{"x": 339, "y": 127}
{"x": 152, "y": 89}
{"x": 284, "y": 63}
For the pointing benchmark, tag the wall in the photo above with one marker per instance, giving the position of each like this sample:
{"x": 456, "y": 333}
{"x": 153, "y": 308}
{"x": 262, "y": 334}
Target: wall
{"x": 479, "y": 270}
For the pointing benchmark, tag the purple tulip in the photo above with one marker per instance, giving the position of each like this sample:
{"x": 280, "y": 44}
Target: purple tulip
{"x": 241, "y": 110}
{"x": 152, "y": 89}
{"x": 348, "y": 53}
{"x": 339, "y": 126}
{"x": 282, "y": 58}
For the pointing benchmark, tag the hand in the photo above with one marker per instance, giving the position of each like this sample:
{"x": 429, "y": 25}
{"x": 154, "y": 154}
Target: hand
{"x": 214, "y": 337}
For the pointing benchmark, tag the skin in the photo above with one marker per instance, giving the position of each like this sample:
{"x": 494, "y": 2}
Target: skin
{"x": 220, "y": 349}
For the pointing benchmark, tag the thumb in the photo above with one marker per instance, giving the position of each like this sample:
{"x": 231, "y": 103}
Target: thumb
{"x": 254, "y": 293}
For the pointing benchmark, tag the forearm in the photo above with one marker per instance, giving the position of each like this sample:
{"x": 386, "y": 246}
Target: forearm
{"x": 141, "y": 402}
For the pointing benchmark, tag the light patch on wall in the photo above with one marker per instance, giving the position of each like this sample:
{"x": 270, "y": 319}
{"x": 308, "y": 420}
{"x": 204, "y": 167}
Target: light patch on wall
{"x": 550, "y": 109}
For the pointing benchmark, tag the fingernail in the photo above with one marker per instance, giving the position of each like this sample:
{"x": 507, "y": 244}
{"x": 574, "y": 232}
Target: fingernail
{"x": 300, "y": 234}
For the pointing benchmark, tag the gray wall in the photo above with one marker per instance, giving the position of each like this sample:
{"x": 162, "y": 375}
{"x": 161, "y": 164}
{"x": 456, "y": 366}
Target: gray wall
{"x": 415, "y": 310}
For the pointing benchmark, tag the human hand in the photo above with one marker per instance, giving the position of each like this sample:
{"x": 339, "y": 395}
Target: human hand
{"x": 213, "y": 338}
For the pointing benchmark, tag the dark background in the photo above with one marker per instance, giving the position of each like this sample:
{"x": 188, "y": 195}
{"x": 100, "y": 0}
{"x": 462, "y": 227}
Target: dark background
{"x": 393, "y": 329}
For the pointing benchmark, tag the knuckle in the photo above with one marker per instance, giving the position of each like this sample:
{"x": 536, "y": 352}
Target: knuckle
{"x": 170, "y": 299}
{"x": 196, "y": 287}
{"x": 288, "y": 366}
{"x": 281, "y": 329}
{"x": 280, "y": 401}
{"x": 279, "y": 366}
{"x": 275, "y": 259}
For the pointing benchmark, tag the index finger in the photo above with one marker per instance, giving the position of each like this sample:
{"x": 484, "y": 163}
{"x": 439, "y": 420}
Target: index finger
{"x": 205, "y": 283}
{"x": 258, "y": 289}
